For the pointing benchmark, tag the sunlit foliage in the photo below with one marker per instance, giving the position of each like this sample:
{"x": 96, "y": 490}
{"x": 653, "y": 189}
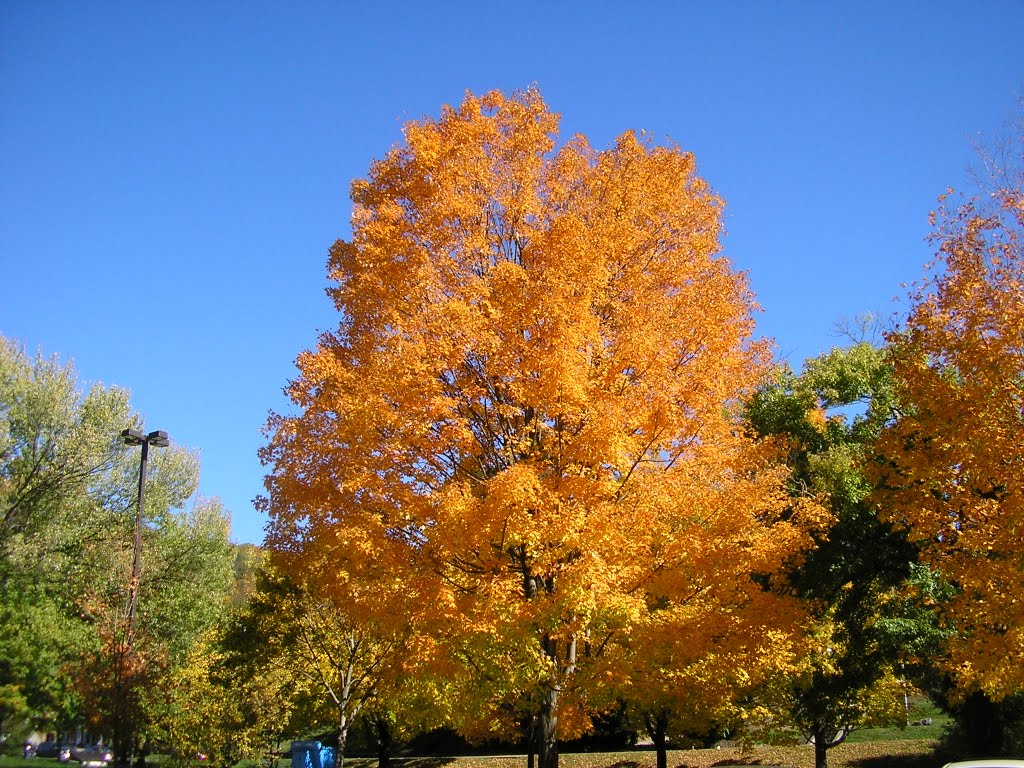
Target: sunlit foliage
{"x": 527, "y": 414}
{"x": 954, "y": 469}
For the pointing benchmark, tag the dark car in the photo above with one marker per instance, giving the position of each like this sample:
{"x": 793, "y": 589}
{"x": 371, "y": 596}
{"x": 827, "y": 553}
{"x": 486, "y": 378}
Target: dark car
{"x": 48, "y": 749}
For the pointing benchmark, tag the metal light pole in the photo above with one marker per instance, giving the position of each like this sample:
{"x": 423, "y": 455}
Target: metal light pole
{"x": 159, "y": 439}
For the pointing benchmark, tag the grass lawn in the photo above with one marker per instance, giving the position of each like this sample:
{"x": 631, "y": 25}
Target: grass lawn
{"x": 870, "y": 748}
{"x": 914, "y": 733}
{"x": 907, "y": 753}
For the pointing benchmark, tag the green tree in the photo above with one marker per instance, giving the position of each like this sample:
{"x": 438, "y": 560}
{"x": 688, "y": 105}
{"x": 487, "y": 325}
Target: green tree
{"x": 221, "y": 703}
{"x": 67, "y": 498}
{"x": 826, "y": 421}
{"x": 59, "y": 450}
{"x": 185, "y": 590}
{"x": 249, "y": 562}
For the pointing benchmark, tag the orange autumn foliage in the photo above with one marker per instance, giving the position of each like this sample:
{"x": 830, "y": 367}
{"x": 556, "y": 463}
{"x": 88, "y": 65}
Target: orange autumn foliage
{"x": 527, "y": 414}
{"x": 955, "y": 470}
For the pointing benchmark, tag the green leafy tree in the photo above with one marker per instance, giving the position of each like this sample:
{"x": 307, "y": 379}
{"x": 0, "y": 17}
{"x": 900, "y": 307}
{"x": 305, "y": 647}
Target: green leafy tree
{"x": 826, "y": 421}
{"x": 59, "y": 450}
{"x": 185, "y": 589}
{"x": 67, "y": 499}
{"x": 222, "y": 704}
{"x": 249, "y": 562}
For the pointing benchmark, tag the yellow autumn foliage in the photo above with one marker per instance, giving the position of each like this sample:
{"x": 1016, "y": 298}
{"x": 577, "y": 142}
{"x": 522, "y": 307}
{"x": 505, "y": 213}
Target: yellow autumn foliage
{"x": 955, "y": 461}
{"x": 526, "y": 417}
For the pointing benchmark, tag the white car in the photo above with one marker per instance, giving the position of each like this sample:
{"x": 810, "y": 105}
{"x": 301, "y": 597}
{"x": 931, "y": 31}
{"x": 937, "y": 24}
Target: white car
{"x": 92, "y": 757}
{"x": 995, "y": 762}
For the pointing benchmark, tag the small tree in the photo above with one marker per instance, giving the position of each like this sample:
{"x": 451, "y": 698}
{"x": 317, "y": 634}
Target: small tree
{"x": 313, "y": 644}
{"x": 850, "y": 580}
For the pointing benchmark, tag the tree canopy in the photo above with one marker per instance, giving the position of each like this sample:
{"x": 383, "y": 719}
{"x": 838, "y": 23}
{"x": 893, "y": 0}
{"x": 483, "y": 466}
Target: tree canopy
{"x": 529, "y": 410}
{"x": 954, "y": 463}
{"x": 825, "y": 421}
{"x": 67, "y": 497}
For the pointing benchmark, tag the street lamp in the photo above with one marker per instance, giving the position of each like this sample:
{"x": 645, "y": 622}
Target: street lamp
{"x": 159, "y": 439}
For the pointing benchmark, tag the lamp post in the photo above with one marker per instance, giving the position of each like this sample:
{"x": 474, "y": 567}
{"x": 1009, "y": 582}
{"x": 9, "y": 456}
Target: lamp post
{"x": 159, "y": 439}
{"x": 124, "y": 718}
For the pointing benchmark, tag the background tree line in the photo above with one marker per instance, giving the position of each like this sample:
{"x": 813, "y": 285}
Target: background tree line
{"x": 68, "y": 495}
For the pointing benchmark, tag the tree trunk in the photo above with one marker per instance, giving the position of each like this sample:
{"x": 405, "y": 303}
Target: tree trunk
{"x": 657, "y": 729}
{"x": 342, "y": 738}
{"x": 825, "y": 737}
{"x": 384, "y": 743}
{"x": 121, "y": 742}
{"x": 982, "y": 721}
{"x": 531, "y": 742}
{"x": 821, "y": 746}
{"x": 547, "y": 727}
{"x": 547, "y": 722}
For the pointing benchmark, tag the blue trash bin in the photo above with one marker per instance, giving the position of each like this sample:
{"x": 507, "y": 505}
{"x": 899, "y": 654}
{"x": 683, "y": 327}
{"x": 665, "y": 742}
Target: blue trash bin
{"x": 311, "y": 754}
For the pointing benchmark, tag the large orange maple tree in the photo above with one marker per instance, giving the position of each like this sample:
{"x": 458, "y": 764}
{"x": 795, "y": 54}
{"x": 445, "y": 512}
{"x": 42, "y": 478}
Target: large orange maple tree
{"x": 527, "y": 415}
{"x": 955, "y": 462}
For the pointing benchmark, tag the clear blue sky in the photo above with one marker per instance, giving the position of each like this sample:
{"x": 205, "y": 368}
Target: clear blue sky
{"x": 172, "y": 173}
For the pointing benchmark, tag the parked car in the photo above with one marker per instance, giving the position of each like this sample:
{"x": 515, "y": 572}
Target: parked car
{"x": 47, "y": 749}
{"x": 92, "y": 756}
{"x": 996, "y": 762}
